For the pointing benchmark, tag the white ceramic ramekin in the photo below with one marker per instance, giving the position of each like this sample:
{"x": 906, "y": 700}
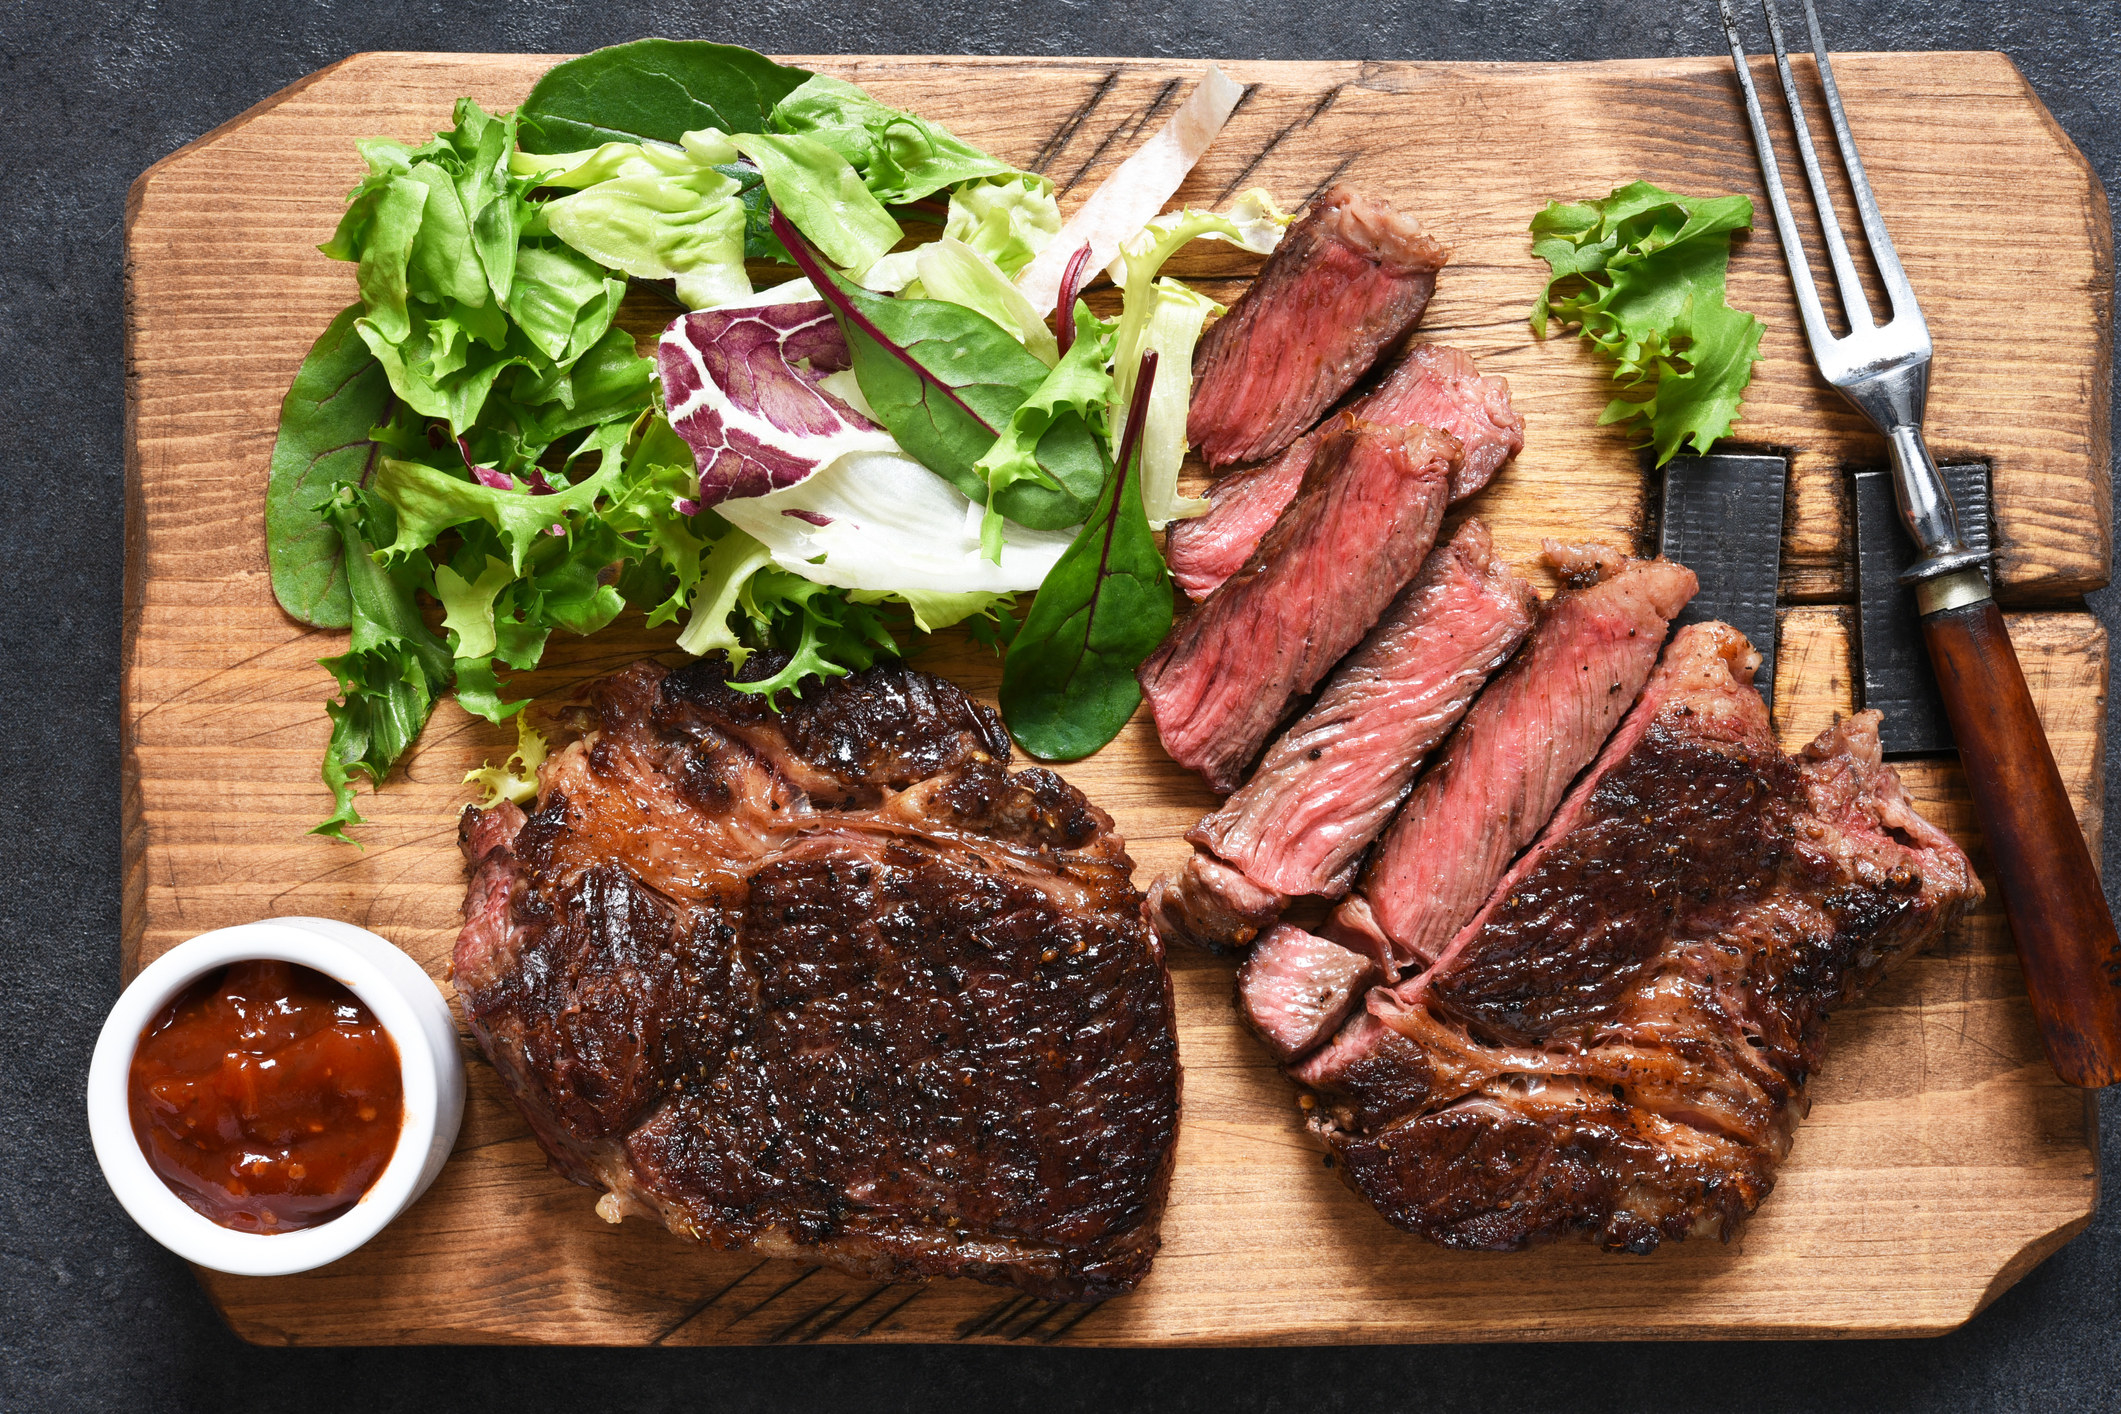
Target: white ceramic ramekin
{"x": 402, "y": 998}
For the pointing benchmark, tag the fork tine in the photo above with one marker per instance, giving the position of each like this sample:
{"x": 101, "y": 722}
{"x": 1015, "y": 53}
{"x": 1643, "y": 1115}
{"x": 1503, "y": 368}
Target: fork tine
{"x": 1883, "y": 254}
{"x": 1854, "y": 303}
{"x": 1816, "y": 330}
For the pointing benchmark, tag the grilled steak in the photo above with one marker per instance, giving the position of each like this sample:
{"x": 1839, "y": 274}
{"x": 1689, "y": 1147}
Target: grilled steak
{"x": 1433, "y": 386}
{"x": 829, "y": 983}
{"x": 1326, "y": 788}
{"x": 1295, "y": 988}
{"x": 1504, "y": 771}
{"x": 1347, "y": 282}
{"x": 1360, "y": 528}
{"x": 1619, "y": 1046}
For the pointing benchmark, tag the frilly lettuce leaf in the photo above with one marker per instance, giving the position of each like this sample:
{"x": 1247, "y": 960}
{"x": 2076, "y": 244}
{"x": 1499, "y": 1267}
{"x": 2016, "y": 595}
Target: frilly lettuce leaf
{"x": 516, "y": 778}
{"x": 1640, "y": 275}
{"x": 1008, "y": 219}
{"x": 948, "y": 269}
{"x": 392, "y": 671}
{"x": 900, "y": 156}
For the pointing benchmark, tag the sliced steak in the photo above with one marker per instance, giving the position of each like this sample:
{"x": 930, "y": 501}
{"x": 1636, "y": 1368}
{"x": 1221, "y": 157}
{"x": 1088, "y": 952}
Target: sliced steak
{"x": 1296, "y": 987}
{"x": 1619, "y": 1046}
{"x": 1346, "y": 283}
{"x": 1433, "y": 386}
{"x": 1367, "y": 515}
{"x": 829, "y": 983}
{"x": 1326, "y": 788}
{"x": 1507, "y": 767}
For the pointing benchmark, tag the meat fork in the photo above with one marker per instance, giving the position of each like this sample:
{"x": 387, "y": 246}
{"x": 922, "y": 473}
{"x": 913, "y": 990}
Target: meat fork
{"x": 2058, "y": 913}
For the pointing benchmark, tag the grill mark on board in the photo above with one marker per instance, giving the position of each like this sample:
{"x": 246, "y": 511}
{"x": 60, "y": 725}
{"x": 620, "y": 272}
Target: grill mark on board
{"x": 889, "y": 1312}
{"x": 1052, "y": 146}
{"x": 1331, "y": 177}
{"x": 992, "y": 1317}
{"x": 819, "y": 1330}
{"x": 1121, "y": 132}
{"x": 701, "y": 1307}
{"x": 1317, "y": 110}
{"x": 1070, "y": 1324}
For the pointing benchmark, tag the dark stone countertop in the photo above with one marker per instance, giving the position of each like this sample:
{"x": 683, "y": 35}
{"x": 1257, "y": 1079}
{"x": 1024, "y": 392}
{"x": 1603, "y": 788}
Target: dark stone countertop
{"x": 98, "y": 1317}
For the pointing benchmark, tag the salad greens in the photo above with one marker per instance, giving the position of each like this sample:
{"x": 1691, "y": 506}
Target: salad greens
{"x": 1641, "y": 277}
{"x": 1068, "y": 683}
{"x": 653, "y": 90}
{"x": 910, "y": 443}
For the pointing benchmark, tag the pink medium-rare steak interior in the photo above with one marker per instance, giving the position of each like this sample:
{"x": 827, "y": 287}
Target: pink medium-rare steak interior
{"x": 1328, "y": 785}
{"x": 1506, "y": 768}
{"x": 1357, "y": 533}
{"x": 829, "y": 983}
{"x": 1346, "y": 283}
{"x": 1619, "y": 1047}
{"x": 1433, "y": 386}
{"x": 1295, "y": 988}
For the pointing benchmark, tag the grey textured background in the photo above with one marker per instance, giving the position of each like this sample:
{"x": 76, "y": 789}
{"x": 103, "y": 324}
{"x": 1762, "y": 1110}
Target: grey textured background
{"x": 95, "y": 1316}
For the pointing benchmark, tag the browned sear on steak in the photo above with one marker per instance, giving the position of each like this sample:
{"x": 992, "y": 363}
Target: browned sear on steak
{"x": 1618, "y": 1044}
{"x": 829, "y": 983}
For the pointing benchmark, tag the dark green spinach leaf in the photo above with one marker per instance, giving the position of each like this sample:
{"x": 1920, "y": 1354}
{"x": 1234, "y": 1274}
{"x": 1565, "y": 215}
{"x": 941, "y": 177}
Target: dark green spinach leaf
{"x": 338, "y": 395}
{"x": 1068, "y": 683}
{"x": 653, "y": 89}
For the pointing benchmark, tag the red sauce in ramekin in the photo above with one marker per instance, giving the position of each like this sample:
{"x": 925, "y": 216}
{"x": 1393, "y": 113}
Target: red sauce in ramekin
{"x": 267, "y": 1097}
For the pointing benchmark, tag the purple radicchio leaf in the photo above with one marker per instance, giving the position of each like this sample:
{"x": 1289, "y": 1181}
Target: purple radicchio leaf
{"x": 813, "y": 517}
{"x": 744, "y": 389}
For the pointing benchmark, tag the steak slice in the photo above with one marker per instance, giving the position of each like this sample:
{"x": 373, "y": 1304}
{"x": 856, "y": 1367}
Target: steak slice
{"x": 1346, "y": 283}
{"x": 1507, "y": 767}
{"x": 1619, "y": 1046}
{"x": 1326, "y": 788}
{"x": 1433, "y": 386}
{"x": 1367, "y": 515}
{"x": 829, "y": 983}
{"x": 1296, "y": 987}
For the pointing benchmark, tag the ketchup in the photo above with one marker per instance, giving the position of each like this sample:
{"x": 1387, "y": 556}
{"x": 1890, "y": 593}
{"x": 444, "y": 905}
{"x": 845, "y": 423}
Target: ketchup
{"x": 267, "y": 1097}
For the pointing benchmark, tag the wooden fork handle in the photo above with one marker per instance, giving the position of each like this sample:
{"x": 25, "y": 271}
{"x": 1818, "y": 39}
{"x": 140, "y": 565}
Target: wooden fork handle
{"x": 2051, "y": 891}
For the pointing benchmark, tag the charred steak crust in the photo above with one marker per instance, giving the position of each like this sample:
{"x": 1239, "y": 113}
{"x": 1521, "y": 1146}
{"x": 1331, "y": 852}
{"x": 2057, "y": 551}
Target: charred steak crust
{"x": 1619, "y": 1045}
{"x": 829, "y": 983}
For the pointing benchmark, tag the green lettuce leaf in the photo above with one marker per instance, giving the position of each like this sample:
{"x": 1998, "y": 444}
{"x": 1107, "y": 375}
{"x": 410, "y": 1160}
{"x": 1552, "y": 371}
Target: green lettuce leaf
{"x": 1006, "y": 219}
{"x": 1079, "y": 386}
{"x": 901, "y": 156}
{"x": 1641, "y": 275}
{"x": 947, "y": 385}
{"x": 657, "y": 213}
{"x": 653, "y": 90}
{"x": 818, "y": 190}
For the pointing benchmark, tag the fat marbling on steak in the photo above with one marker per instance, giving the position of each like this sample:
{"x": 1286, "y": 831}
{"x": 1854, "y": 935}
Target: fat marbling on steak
{"x": 1618, "y": 1045}
{"x": 1346, "y": 283}
{"x": 829, "y": 983}
{"x": 1328, "y": 784}
{"x": 1433, "y": 386}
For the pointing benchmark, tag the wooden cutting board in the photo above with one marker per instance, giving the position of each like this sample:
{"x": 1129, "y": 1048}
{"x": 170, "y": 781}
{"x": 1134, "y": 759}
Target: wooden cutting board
{"x": 1941, "y": 1161}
